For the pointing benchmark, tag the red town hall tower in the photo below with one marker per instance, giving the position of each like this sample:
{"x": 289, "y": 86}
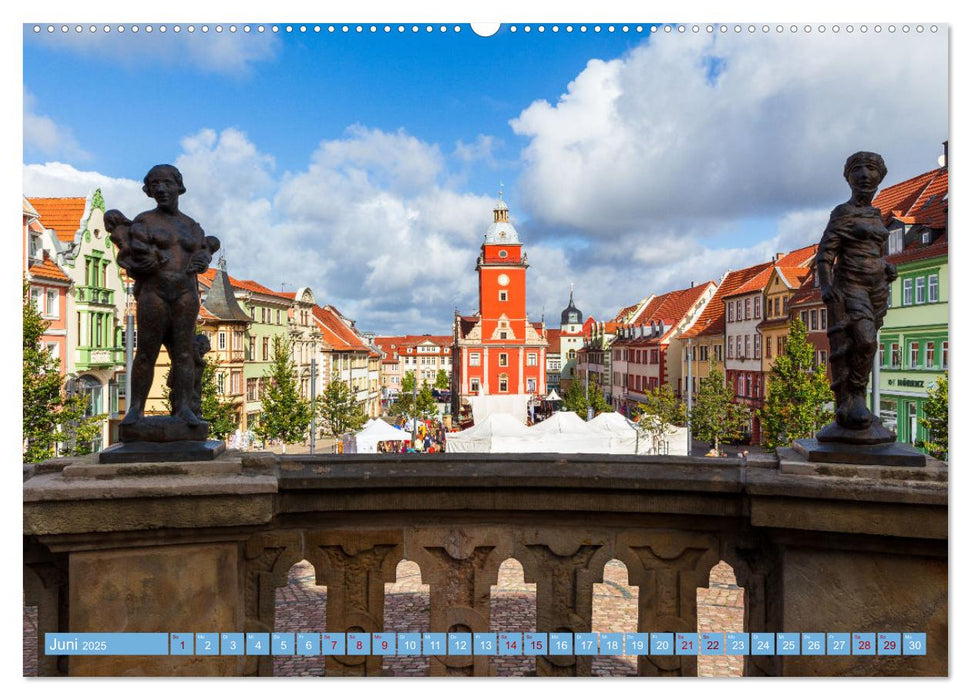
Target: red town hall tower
{"x": 499, "y": 357}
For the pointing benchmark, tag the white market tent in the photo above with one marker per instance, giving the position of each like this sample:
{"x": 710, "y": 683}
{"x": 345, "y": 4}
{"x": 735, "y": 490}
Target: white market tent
{"x": 622, "y": 434}
{"x": 554, "y": 397}
{"x": 500, "y": 432}
{"x": 366, "y": 440}
{"x": 626, "y": 438}
{"x": 566, "y": 433}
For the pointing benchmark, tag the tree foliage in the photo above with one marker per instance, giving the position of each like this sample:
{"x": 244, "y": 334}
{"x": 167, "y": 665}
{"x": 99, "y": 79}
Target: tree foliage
{"x": 286, "y": 414}
{"x": 222, "y": 416}
{"x": 797, "y": 392}
{"x": 339, "y": 411}
{"x": 411, "y": 404}
{"x": 577, "y": 399}
{"x": 715, "y": 417}
{"x": 934, "y": 420}
{"x": 54, "y": 422}
{"x": 441, "y": 380}
{"x": 660, "y": 412}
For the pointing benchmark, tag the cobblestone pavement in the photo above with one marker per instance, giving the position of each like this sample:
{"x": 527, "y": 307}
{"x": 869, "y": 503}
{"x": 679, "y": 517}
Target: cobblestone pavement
{"x": 301, "y": 607}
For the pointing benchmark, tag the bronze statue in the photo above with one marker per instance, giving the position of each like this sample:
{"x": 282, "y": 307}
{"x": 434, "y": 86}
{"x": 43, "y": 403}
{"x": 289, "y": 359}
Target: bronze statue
{"x": 163, "y": 250}
{"x": 855, "y": 281}
{"x": 201, "y": 347}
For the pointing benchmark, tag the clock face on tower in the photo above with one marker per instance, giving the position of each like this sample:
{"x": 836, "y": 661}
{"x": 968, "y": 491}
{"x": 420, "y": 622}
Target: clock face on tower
{"x": 503, "y": 279}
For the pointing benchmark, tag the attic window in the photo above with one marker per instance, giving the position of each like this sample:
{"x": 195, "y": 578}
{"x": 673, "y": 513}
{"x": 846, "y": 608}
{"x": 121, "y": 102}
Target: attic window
{"x": 925, "y": 237}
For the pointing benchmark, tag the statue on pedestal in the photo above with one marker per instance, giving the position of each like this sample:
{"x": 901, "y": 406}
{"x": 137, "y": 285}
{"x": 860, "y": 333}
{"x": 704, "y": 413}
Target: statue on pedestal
{"x": 854, "y": 279}
{"x": 163, "y": 250}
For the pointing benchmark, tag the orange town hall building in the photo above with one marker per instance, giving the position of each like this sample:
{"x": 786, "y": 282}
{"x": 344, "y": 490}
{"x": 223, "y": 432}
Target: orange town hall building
{"x": 499, "y": 356}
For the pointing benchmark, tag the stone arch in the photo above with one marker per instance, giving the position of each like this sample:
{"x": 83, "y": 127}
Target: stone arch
{"x": 615, "y": 612}
{"x": 721, "y": 608}
{"x": 301, "y": 606}
{"x": 406, "y": 609}
{"x": 512, "y": 608}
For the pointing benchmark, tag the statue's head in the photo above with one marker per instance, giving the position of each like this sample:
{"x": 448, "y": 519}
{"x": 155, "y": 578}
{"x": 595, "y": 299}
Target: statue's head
{"x": 874, "y": 159}
{"x": 160, "y": 170}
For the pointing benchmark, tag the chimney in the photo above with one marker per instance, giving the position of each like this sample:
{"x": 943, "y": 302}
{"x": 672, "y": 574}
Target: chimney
{"x": 945, "y": 155}
{"x": 779, "y": 256}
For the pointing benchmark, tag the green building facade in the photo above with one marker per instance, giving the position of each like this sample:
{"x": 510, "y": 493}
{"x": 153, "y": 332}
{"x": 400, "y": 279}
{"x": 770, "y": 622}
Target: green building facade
{"x": 914, "y": 350}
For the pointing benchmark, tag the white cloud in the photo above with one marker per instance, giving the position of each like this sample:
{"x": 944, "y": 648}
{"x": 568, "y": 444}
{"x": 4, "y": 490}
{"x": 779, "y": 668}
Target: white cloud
{"x": 662, "y": 134}
{"x": 55, "y": 179}
{"x": 47, "y": 136}
{"x": 223, "y": 53}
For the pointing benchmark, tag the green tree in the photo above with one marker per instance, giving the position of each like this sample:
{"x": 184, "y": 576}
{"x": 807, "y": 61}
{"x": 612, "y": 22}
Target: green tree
{"x": 797, "y": 393}
{"x": 577, "y": 399}
{"x": 934, "y": 420}
{"x": 339, "y": 411}
{"x": 51, "y": 417}
{"x": 222, "y": 416}
{"x": 441, "y": 380}
{"x": 414, "y": 404}
{"x": 659, "y": 413}
{"x": 286, "y": 415}
{"x": 715, "y": 417}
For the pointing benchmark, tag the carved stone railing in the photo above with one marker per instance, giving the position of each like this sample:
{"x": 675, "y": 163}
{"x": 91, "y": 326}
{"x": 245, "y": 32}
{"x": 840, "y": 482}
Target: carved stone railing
{"x": 203, "y": 547}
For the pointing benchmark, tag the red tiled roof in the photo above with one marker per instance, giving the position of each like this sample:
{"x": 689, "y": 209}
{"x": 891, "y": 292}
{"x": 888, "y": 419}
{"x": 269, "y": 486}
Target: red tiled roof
{"x": 921, "y": 199}
{"x": 247, "y": 285}
{"x": 808, "y": 292}
{"x": 336, "y": 331}
{"x": 48, "y": 270}
{"x": 672, "y": 306}
{"x": 206, "y": 315}
{"x": 797, "y": 258}
{"x": 63, "y": 214}
{"x": 623, "y": 313}
{"x": 553, "y": 338}
{"x": 938, "y": 247}
{"x": 792, "y": 276}
{"x": 712, "y": 318}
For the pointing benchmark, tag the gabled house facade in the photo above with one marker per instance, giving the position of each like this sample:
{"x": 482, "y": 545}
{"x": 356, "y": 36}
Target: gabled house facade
{"x": 914, "y": 341}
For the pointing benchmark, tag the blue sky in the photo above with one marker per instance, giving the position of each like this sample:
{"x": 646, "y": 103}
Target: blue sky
{"x": 365, "y": 165}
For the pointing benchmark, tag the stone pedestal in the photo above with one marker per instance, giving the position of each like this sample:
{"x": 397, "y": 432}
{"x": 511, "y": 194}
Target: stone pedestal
{"x": 892, "y": 454}
{"x": 180, "y": 588}
{"x": 180, "y": 451}
{"x": 163, "y": 429}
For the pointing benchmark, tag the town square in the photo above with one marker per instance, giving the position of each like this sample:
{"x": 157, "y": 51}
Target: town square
{"x": 487, "y": 334}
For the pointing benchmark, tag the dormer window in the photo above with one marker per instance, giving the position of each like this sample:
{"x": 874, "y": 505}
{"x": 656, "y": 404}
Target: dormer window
{"x": 895, "y": 243}
{"x": 925, "y": 237}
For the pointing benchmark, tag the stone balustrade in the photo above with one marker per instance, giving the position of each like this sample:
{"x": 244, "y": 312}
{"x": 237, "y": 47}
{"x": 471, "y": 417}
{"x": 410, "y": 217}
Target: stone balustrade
{"x": 202, "y": 547}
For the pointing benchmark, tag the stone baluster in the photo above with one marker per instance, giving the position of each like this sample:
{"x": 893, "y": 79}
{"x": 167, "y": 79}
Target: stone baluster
{"x": 267, "y": 559}
{"x": 564, "y": 568}
{"x": 756, "y": 570}
{"x": 354, "y": 565}
{"x": 668, "y": 568}
{"x": 460, "y": 565}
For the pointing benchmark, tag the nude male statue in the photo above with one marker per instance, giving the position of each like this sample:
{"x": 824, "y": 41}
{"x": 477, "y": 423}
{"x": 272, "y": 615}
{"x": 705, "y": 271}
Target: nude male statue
{"x": 163, "y": 250}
